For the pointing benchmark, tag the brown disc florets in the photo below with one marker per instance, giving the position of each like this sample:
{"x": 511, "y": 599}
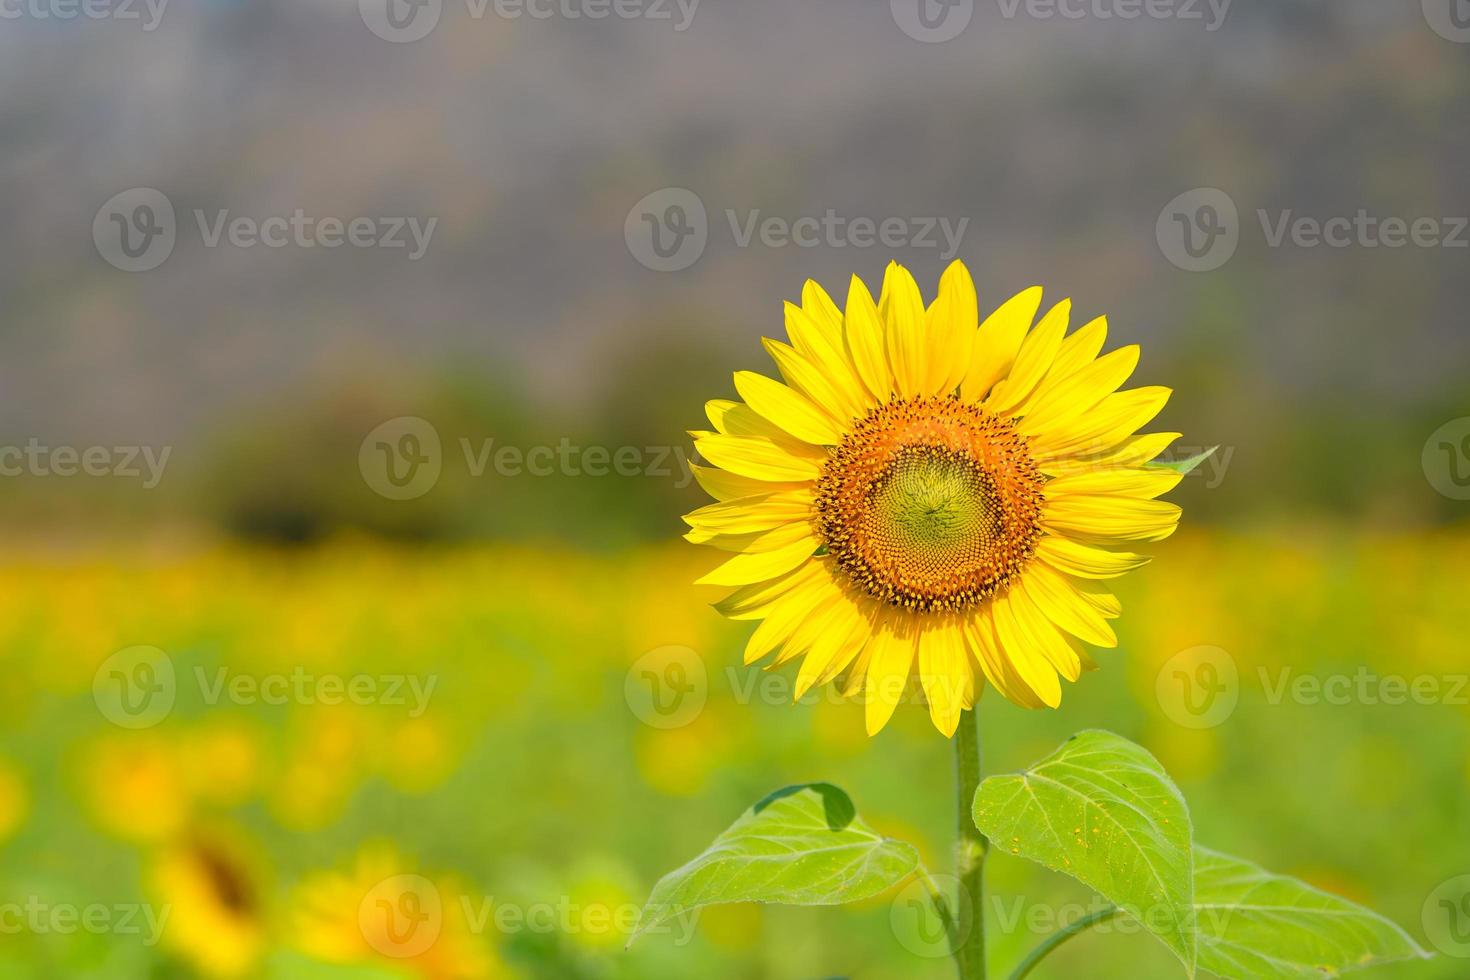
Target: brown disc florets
{"x": 930, "y": 503}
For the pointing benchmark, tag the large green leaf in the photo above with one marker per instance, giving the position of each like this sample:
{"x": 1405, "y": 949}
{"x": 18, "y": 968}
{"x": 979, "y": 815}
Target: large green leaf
{"x": 1255, "y": 925}
{"x": 1103, "y": 810}
{"x": 803, "y": 845}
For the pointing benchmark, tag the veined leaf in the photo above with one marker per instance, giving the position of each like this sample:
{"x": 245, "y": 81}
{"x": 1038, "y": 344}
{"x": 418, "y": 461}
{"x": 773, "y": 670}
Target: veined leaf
{"x": 1103, "y": 810}
{"x": 1255, "y": 925}
{"x": 1186, "y": 466}
{"x": 803, "y": 845}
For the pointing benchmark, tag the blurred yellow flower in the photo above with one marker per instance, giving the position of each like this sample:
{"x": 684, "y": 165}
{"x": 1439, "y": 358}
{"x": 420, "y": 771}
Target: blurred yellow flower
{"x": 928, "y": 493}
{"x": 221, "y": 758}
{"x": 417, "y": 754}
{"x": 210, "y": 884}
{"x": 382, "y": 911}
{"x": 15, "y": 800}
{"x": 133, "y": 786}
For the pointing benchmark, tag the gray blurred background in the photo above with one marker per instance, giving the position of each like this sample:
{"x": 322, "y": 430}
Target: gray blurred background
{"x": 1054, "y": 141}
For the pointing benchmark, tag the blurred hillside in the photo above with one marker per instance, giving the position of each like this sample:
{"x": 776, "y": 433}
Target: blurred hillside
{"x": 530, "y": 140}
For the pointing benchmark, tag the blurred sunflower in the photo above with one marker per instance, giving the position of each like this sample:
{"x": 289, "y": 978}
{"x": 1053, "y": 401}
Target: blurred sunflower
{"x": 210, "y": 882}
{"x": 381, "y": 913}
{"x": 926, "y": 490}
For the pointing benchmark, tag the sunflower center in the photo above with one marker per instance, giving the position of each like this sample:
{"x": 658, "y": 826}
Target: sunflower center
{"x": 930, "y": 503}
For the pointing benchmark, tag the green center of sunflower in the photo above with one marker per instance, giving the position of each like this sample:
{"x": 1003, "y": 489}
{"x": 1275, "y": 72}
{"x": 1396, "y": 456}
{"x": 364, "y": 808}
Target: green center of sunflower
{"x": 930, "y": 504}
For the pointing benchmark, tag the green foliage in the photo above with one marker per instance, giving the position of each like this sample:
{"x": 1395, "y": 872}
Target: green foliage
{"x": 1255, "y": 925}
{"x": 802, "y": 845}
{"x": 1103, "y": 810}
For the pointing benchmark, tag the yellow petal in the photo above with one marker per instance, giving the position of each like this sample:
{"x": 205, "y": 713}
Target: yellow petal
{"x": 724, "y": 485}
{"x": 902, "y": 311}
{"x": 789, "y": 410}
{"x": 822, "y": 348}
{"x": 1080, "y": 348}
{"x": 1083, "y": 561}
{"x": 1018, "y": 647}
{"x": 1078, "y": 392}
{"x": 745, "y": 569}
{"x": 984, "y": 648}
{"x": 734, "y": 418}
{"x": 786, "y": 615}
{"x": 832, "y": 649}
{"x": 1099, "y": 430}
{"x": 758, "y": 513}
{"x": 866, "y": 344}
{"x": 751, "y": 601}
{"x": 1125, "y": 481}
{"x": 1038, "y": 626}
{"x": 888, "y": 671}
{"x": 757, "y": 458}
{"x": 1062, "y": 603}
{"x": 769, "y": 540}
{"x": 952, "y": 318}
{"x": 997, "y": 341}
{"x": 1134, "y": 451}
{"x": 808, "y": 378}
{"x": 824, "y": 312}
{"x": 1110, "y": 518}
{"x": 945, "y": 674}
{"x": 1032, "y": 361}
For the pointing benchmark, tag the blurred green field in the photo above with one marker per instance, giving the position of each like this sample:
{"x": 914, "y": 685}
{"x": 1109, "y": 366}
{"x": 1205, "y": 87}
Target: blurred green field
{"x": 534, "y": 796}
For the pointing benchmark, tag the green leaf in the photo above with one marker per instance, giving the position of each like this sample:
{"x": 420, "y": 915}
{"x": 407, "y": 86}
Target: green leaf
{"x": 1103, "y": 810}
{"x": 802, "y": 845}
{"x": 1255, "y": 925}
{"x": 1185, "y": 466}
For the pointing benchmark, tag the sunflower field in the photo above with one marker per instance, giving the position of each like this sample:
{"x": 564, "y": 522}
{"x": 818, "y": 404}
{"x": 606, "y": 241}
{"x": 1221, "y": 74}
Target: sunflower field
{"x": 492, "y": 725}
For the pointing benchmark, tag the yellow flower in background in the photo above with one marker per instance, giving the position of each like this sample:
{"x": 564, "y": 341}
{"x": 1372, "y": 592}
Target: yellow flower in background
{"x": 922, "y": 491}
{"x": 15, "y": 800}
{"x": 134, "y": 786}
{"x": 221, "y": 758}
{"x": 210, "y": 884}
{"x": 383, "y": 912}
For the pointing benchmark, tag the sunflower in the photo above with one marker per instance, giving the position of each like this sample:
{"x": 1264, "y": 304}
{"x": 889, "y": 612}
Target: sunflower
{"x": 923, "y": 492}
{"x": 210, "y": 882}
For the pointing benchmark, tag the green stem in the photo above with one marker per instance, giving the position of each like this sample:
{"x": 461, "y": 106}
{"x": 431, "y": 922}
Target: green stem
{"x": 969, "y": 951}
{"x": 1056, "y": 939}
